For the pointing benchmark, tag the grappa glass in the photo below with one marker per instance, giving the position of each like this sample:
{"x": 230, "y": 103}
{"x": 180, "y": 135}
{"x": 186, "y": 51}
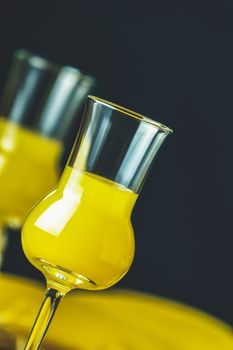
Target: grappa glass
{"x": 80, "y": 235}
{"x": 40, "y": 103}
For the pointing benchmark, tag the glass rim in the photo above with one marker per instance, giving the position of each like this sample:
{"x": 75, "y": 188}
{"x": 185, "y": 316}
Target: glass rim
{"x": 132, "y": 114}
{"x": 42, "y": 62}
{"x": 35, "y": 60}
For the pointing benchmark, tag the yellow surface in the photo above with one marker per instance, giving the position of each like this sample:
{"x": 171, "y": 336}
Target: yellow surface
{"x": 28, "y": 170}
{"x": 83, "y": 226}
{"x": 113, "y": 320}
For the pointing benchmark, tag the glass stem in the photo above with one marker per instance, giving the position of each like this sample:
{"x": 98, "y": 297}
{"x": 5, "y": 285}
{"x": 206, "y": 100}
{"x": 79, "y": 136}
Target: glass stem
{"x": 19, "y": 342}
{"x": 3, "y": 243}
{"x": 44, "y": 317}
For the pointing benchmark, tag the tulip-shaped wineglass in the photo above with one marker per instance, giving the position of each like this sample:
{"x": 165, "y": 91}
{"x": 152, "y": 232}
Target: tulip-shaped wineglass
{"x": 80, "y": 235}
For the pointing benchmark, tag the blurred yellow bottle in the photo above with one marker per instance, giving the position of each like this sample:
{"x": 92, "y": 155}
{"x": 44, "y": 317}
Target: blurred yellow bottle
{"x": 28, "y": 170}
{"x": 81, "y": 232}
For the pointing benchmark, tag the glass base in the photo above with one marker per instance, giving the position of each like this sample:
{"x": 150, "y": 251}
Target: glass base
{"x": 59, "y": 276}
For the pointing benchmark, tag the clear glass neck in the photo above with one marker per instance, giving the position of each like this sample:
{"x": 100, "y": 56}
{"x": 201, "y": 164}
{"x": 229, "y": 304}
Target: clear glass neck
{"x": 116, "y": 143}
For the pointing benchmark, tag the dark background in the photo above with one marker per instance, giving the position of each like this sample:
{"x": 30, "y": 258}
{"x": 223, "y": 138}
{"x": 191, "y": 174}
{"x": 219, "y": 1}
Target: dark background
{"x": 171, "y": 61}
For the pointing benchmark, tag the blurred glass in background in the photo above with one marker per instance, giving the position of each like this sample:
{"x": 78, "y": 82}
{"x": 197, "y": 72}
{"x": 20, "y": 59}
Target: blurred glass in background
{"x": 39, "y": 107}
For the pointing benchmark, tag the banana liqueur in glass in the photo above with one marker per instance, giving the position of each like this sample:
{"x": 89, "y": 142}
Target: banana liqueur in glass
{"x": 80, "y": 235}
